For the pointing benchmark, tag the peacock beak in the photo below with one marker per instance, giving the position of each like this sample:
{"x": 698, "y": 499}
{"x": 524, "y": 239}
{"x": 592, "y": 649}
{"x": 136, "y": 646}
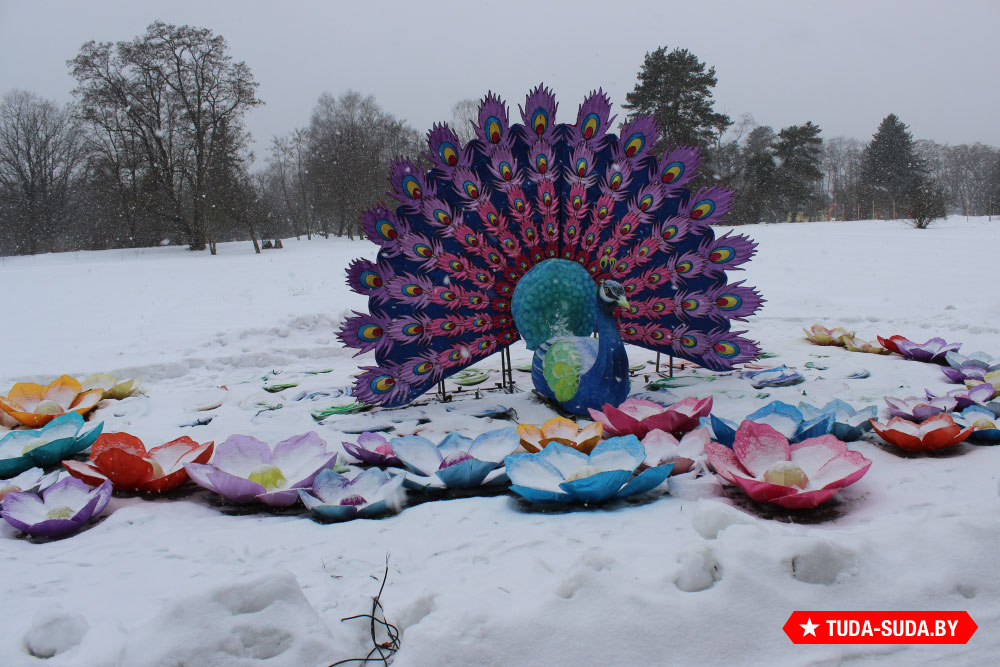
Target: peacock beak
{"x": 623, "y": 302}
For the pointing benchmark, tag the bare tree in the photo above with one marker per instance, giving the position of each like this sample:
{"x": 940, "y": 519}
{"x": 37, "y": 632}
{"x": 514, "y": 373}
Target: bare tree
{"x": 40, "y": 155}
{"x": 170, "y": 92}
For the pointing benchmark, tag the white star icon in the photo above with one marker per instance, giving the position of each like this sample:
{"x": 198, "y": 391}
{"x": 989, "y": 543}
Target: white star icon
{"x": 809, "y": 628}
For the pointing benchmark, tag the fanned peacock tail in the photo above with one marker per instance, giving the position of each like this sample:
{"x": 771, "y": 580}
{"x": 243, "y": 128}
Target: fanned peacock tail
{"x": 462, "y": 234}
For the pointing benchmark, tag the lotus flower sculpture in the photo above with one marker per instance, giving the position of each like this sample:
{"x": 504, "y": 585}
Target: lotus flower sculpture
{"x": 917, "y": 409}
{"x": 638, "y": 417}
{"x": 457, "y": 462}
{"x": 244, "y": 469}
{"x": 991, "y": 379}
{"x": 561, "y": 430}
{"x": 782, "y": 376}
{"x": 938, "y": 432}
{"x": 891, "y": 342}
{"x": 35, "y": 405}
{"x": 985, "y": 426}
{"x": 972, "y": 367}
{"x": 933, "y": 351}
{"x": 820, "y": 335}
{"x": 560, "y": 474}
{"x": 61, "y": 438}
{"x": 32, "y": 479}
{"x": 373, "y": 449}
{"x": 784, "y": 418}
{"x": 336, "y": 497}
{"x": 964, "y": 397}
{"x": 123, "y": 459}
{"x": 61, "y": 509}
{"x": 683, "y": 454}
{"x": 795, "y": 476}
{"x": 854, "y": 344}
{"x": 849, "y": 424}
{"x": 113, "y": 388}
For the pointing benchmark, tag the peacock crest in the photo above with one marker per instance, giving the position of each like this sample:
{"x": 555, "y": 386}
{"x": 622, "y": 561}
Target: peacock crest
{"x": 449, "y": 286}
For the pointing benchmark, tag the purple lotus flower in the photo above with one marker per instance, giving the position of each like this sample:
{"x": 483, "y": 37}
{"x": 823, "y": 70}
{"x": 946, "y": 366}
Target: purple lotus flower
{"x": 933, "y": 351}
{"x": 972, "y": 367}
{"x": 964, "y": 397}
{"x": 61, "y": 509}
{"x": 335, "y": 497}
{"x": 245, "y": 469}
{"x": 374, "y": 450}
{"x": 916, "y": 409}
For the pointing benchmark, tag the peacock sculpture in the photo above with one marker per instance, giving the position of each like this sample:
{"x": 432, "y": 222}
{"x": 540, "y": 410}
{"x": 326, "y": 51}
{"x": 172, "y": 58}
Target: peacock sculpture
{"x": 547, "y": 232}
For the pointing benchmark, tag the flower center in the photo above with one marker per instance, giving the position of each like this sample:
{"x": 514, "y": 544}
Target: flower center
{"x": 786, "y": 473}
{"x": 32, "y": 444}
{"x": 385, "y": 450}
{"x": 453, "y": 459}
{"x": 270, "y": 477}
{"x": 63, "y": 512}
{"x": 982, "y": 424}
{"x": 584, "y": 472}
{"x": 354, "y": 500}
{"x": 48, "y": 407}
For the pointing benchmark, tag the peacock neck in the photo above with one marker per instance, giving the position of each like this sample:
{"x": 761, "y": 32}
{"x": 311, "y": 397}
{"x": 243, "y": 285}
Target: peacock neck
{"x": 609, "y": 341}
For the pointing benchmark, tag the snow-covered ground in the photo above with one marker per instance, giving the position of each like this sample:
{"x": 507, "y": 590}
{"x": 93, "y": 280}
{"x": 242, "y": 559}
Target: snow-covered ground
{"x": 693, "y": 577}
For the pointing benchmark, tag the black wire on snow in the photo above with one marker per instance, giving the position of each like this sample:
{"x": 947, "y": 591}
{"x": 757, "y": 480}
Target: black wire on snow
{"x": 384, "y": 649}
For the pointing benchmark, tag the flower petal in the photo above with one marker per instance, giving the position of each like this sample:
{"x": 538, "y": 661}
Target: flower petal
{"x": 619, "y": 453}
{"x": 418, "y": 454}
{"x": 597, "y": 488}
{"x": 534, "y": 472}
{"x": 646, "y": 481}
{"x": 759, "y": 446}
{"x": 240, "y": 455}
{"x": 495, "y": 445}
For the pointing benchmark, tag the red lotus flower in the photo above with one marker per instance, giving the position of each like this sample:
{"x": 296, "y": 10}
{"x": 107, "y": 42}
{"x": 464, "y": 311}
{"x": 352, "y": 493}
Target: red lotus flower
{"x": 123, "y": 459}
{"x": 890, "y": 342}
{"x": 638, "y": 417}
{"x": 938, "y": 432}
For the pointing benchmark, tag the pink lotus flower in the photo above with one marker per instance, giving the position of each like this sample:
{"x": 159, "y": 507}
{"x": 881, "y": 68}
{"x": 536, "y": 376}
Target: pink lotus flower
{"x": 799, "y": 476}
{"x": 938, "y": 432}
{"x": 638, "y": 417}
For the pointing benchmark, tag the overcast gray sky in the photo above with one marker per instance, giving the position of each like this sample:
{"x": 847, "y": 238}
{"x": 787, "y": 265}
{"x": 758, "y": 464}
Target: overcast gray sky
{"x": 843, "y": 65}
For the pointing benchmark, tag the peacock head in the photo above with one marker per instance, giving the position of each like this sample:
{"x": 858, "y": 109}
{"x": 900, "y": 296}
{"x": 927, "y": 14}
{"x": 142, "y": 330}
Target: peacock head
{"x": 612, "y": 293}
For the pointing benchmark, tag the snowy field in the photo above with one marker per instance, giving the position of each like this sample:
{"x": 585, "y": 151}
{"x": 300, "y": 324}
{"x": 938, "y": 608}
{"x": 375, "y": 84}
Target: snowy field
{"x": 698, "y": 576}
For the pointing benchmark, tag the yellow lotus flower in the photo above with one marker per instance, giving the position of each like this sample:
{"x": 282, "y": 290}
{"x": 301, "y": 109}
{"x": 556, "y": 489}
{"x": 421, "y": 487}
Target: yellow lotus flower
{"x": 857, "y": 345}
{"x": 34, "y": 405}
{"x": 563, "y": 431}
{"x": 111, "y": 387}
{"x": 820, "y": 335}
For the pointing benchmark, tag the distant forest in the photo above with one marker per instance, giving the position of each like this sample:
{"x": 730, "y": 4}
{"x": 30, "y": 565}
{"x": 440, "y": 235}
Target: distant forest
{"x": 153, "y": 151}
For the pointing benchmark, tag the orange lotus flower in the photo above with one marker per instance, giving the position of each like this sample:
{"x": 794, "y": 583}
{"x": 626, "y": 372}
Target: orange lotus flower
{"x": 820, "y": 335}
{"x": 123, "y": 458}
{"x": 34, "y": 405}
{"x": 938, "y": 432}
{"x": 563, "y": 431}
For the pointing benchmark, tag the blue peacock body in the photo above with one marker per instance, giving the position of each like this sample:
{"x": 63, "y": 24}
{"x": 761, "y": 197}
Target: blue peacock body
{"x": 547, "y": 232}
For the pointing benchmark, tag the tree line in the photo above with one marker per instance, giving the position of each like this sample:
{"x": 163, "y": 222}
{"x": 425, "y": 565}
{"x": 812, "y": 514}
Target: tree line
{"x": 153, "y": 151}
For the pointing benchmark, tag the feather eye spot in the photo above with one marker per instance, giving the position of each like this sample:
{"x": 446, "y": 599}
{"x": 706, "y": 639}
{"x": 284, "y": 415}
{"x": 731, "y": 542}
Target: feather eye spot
{"x": 494, "y": 130}
{"x": 577, "y": 203}
{"x": 386, "y": 230}
{"x": 413, "y": 329}
{"x": 519, "y": 205}
{"x": 721, "y": 255}
{"x": 423, "y": 369}
{"x": 493, "y": 218}
{"x": 412, "y": 290}
{"x": 616, "y": 181}
{"x": 689, "y": 304}
{"x": 634, "y": 144}
{"x": 645, "y": 202}
{"x": 383, "y": 384}
{"x": 729, "y": 302}
{"x": 688, "y": 341}
{"x": 369, "y": 333}
{"x": 602, "y": 212}
{"x": 702, "y": 209}
{"x": 442, "y": 216}
{"x": 539, "y": 121}
{"x": 581, "y": 167}
{"x": 506, "y": 172}
{"x": 448, "y": 295}
{"x": 422, "y": 250}
{"x": 669, "y": 232}
{"x": 371, "y": 279}
{"x": 412, "y": 187}
{"x": 591, "y": 124}
{"x": 726, "y": 349}
{"x": 472, "y": 191}
{"x": 672, "y": 172}
{"x": 685, "y": 266}
{"x": 448, "y": 154}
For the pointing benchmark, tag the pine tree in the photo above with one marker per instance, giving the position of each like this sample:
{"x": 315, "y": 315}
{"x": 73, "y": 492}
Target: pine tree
{"x": 798, "y": 151}
{"x": 676, "y": 89}
{"x": 756, "y": 183}
{"x": 891, "y": 169}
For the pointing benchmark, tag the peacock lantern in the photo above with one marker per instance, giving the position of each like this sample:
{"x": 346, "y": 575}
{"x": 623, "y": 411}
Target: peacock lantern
{"x": 549, "y": 233}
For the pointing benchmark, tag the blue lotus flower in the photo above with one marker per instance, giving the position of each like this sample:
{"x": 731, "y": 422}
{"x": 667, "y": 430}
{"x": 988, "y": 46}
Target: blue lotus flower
{"x": 457, "y": 462}
{"x": 784, "y": 418}
{"x": 782, "y": 376}
{"x": 986, "y": 430}
{"x": 848, "y": 424}
{"x": 563, "y": 474}
{"x": 335, "y": 497}
{"x": 60, "y": 439}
